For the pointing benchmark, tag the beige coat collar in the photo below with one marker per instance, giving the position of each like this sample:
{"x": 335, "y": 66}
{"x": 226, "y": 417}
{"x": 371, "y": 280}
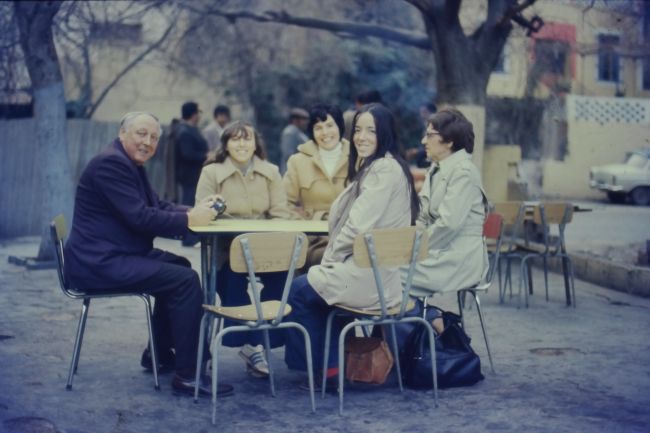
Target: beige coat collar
{"x": 259, "y": 166}
{"x": 310, "y": 148}
{"x": 447, "y": 165}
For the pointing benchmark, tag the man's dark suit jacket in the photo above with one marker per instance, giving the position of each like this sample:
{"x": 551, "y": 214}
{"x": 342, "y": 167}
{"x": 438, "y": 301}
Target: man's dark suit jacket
{"x": 116, "y": 217}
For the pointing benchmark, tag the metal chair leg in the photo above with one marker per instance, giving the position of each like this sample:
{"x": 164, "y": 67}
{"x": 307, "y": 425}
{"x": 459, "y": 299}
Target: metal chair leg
{"x": 214, "y": 349}
{"x": 152, "y": 343}
{"x": 545, "y": 264}
{"x": 498, "y": 264}
{"x": 81, "y": 326}
{"x": 485, "y": 336}
{"x": 432, "y": 351}
{"x": 572, "y": 280}
{"x": 310, "y": 367}
{"x": 341, "y": 365}
{"x": 199, "y": 357}
{"x": 461, "y": 302}
{"x": 396, "y": 356}
{"x": 267, "y": 349}
{"x": 326, "y": 350}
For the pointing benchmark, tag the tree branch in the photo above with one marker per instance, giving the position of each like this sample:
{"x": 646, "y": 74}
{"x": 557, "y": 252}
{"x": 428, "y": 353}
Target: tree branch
{"x": 405, "y": 37}
{"x": 128, "y": 67}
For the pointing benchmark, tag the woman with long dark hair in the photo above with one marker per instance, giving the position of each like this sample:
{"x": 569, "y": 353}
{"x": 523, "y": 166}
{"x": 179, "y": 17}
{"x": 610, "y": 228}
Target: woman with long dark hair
{"x": 379, "y": 194}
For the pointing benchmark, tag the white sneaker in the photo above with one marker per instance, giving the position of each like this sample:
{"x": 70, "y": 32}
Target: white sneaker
{"x": 255, "y": 360}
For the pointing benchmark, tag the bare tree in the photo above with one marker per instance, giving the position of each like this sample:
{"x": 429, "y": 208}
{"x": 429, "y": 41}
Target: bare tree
{"x": 80, "y": 26}
{"x": 463, "y": 62}
{"x": 34, "y": 20}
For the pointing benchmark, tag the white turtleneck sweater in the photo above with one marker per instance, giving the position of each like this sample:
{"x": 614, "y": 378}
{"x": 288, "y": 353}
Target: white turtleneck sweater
{"x": 330, "y": 158}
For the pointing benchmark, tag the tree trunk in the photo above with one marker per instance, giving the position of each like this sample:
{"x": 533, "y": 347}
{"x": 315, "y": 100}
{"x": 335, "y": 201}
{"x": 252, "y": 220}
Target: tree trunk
{"x": 35, "y": 26}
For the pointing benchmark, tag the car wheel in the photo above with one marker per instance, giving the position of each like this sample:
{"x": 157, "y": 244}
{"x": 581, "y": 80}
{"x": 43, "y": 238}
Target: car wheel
{"x": 616, "y": 197}
{"x": 641, "y": 196}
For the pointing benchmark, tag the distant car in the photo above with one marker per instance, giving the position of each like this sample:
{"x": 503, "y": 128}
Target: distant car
{"x": 620, "y": 181}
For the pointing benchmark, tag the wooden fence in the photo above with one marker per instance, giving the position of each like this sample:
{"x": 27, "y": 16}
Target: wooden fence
{"x": 20, "y": 194}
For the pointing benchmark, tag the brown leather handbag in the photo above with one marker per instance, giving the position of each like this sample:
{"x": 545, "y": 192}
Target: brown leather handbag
{"x": 367, "y": 359}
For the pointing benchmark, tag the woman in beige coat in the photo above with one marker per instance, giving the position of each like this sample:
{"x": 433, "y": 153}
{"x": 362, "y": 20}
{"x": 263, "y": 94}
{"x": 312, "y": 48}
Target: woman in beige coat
{"x": 252, "y": 188}
{"x": 379, "y": 194}
{"x": 453, "y": 209}
{"x": 316, "y": 172}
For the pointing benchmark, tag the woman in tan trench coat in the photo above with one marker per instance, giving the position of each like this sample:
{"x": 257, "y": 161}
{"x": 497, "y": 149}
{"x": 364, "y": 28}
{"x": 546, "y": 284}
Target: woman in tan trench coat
{"x": 453, "y": 208}
{"x": 316, "y": 172}
{"x": 380, "y": 194}
{"x": 252, "y": 188}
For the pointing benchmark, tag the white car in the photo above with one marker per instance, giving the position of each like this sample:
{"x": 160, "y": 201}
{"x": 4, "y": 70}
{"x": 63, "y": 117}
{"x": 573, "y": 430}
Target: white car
{"x": 630, "y": 179}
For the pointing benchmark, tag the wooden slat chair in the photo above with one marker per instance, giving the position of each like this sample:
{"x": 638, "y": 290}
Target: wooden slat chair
{"x": 58, "y": 233}
{"x": 255, "y": 253}
{"x": 378, "y": 249}
{"x": 546, "y": 215}
{"x": 513, "y": 214}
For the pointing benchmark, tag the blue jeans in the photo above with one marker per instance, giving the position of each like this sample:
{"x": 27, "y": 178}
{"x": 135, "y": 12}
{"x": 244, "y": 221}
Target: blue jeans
{"x": 311, "y": 311}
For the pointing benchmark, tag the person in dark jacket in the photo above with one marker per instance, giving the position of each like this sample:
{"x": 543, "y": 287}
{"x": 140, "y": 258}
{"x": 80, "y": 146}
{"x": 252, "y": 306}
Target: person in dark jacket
{"x": 116, "y": 217}
{"x": 191, "y": 151}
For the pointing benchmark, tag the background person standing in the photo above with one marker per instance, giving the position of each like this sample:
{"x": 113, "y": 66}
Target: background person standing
{"x": 293, "y": 135}
{"x": 191, "y": 151}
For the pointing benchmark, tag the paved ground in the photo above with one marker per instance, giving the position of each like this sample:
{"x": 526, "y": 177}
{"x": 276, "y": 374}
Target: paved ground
{"x": 616, "y": 232}
{"x": 558, "y": 370}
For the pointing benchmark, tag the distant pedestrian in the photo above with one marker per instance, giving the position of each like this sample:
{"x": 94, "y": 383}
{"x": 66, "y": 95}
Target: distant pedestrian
{"x": 212, "y": 132}
{"x": 191, "y": 152}
{"x": 418, "y": 155}
{"x": 293, "y": 135}
{"x": 369, "y": 97}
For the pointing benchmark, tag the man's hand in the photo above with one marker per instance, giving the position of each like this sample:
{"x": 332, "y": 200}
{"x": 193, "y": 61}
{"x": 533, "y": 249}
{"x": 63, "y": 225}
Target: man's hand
{"x": 202, "y": 214}
{"x": 209, "y": 200}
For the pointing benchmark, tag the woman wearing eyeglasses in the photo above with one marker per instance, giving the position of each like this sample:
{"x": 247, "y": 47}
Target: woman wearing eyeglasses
{"x": 453, "y": 208}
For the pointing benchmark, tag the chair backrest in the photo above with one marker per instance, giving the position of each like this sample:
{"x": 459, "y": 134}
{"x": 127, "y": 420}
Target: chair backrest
{"x": 58, "y": 233}
{"x": 513, "y": 214}
{"x": 509, "y": 211}
{"x": 394, "y": 247}
{"x": 493, "y": 229}
{"x": 391, "y": 247}
{"x": 553, "y": 213}
{"x": 272, "y": 252}
{"x": 493, "y": 226}
{"x": 268, "y": 252}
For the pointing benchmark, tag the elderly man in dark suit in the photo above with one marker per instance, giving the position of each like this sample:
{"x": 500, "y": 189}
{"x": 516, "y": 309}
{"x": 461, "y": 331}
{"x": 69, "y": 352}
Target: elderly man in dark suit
{"x": 116, "y": 217}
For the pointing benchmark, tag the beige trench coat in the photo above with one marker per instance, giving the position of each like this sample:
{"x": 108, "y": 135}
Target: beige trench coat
{"x": 307, "y": 184}
{"x": 453, "y": 210}
{"x": 259, "y": 195}
{"x": 383, "y": 201}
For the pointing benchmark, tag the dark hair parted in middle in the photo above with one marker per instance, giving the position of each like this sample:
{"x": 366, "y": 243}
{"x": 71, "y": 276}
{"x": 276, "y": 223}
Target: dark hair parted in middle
{"x": 233, "y": 130}
{"x": 386, "y": 133}
{"x": 453, "y": 126}
{"x": 319, "y": 112}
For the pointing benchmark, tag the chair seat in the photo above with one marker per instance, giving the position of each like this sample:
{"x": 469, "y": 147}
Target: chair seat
{"x": 531, "y": 247}
{"x": 492, "y": 248}
{"x": 248, "y": 312}
{"x": 376, "y": 311}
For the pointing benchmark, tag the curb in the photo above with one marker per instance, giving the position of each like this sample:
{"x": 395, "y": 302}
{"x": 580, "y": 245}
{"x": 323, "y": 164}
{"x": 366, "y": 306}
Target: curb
{"x": 634, "y": 280}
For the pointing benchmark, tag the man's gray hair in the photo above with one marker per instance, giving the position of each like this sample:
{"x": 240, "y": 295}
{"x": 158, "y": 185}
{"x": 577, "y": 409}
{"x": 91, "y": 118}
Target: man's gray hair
{"x": 128, "y": 118}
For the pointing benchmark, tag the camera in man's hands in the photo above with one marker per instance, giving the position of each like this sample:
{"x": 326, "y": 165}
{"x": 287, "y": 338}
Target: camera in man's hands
{"x": 219, "y": 205}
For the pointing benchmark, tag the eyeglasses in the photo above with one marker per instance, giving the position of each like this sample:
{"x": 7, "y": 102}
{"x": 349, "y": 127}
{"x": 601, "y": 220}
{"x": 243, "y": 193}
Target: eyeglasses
{"x": 431, "y": 134}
